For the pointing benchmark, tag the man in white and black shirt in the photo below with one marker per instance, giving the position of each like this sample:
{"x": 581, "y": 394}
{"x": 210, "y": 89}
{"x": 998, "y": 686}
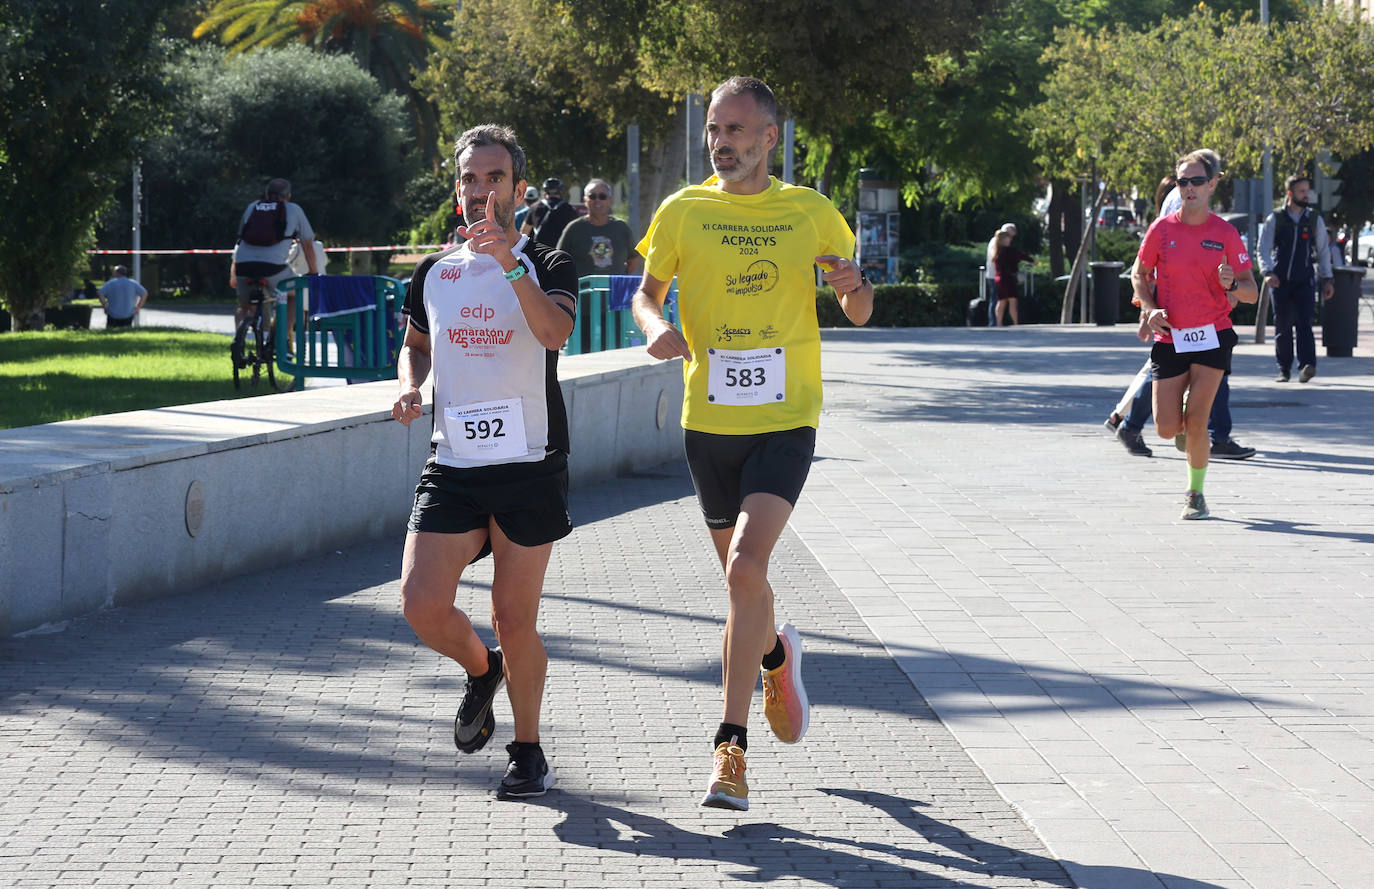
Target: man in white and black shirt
{"x": 488, "y": 317}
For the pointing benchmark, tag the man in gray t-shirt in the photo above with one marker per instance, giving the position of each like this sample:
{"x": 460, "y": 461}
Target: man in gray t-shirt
{"x": 599, "y": 243}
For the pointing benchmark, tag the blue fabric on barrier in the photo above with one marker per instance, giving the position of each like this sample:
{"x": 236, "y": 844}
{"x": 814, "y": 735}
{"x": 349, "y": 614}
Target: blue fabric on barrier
{"x": 340, "y": 294}
{"x": 623, "y": 287}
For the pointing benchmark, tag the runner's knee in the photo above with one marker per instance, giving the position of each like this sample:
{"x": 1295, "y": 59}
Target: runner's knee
{"x": 423, "y": 608}
{"x": 746, "y": 575}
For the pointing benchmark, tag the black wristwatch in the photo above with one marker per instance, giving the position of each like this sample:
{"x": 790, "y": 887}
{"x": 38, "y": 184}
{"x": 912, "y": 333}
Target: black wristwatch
{"x": 1235, "y": 282}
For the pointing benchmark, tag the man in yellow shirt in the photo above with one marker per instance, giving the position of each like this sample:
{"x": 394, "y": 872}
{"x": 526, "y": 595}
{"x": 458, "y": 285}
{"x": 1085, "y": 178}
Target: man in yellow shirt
{"x": 742, "y": 246}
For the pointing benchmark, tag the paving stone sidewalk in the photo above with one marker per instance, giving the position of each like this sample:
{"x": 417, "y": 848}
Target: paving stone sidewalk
{"x": 288, "y": 730}
{"x": 1026, "y": 670}
{"x": 1190, "y": 702}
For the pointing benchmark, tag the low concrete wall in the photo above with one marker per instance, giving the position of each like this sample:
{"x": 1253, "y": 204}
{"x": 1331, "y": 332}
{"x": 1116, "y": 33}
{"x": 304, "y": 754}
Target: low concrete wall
{"x": 119, "y": 508}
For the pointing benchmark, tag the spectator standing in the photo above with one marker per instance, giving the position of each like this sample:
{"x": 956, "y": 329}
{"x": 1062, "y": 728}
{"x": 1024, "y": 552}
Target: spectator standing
{"x": 531, "y": 198}
{"x": 1293, "y": 240}
{"x": 121, "y": 297}
{"x": 599, "y": 243}
{"x": 990, "y": 271}
{"x": 547, "y": 219}
{"x": 1007, "y": 260}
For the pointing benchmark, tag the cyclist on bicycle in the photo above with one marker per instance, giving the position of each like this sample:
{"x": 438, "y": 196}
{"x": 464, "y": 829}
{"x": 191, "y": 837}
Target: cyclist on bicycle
{"x": 266, "y": 231}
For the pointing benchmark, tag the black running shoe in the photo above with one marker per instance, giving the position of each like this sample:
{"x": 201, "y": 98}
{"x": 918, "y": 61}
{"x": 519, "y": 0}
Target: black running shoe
{"x": 1231, "y": 450}
{"x": 475, "y": 722}
{"x": 528, "y": 773}
{"x": 1133, "y": 442}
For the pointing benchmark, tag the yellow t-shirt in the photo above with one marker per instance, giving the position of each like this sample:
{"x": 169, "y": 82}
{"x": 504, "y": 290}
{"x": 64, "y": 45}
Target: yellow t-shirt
{"x": 747, "y": 300}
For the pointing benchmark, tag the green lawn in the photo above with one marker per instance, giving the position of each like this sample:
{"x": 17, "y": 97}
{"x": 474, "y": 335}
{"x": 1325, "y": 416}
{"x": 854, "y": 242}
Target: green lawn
{"x": 55, "y": 375}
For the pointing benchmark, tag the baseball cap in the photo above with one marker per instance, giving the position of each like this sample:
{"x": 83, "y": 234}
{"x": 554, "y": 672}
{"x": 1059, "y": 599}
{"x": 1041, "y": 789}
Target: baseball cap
{"x": 531, "y": 193}
{"x": 555, "y": 184}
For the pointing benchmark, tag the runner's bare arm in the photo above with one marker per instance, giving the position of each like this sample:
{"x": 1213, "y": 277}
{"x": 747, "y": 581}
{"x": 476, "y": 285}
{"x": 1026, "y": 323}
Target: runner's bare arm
{"x": 854, "y": 292}
{"x": 550, "y": 324}
{"x": 664, "y": 340}
{"x": 1141, "y": 277}
{"x": 412, "y": 368}
{"x": 1246, "y": 290}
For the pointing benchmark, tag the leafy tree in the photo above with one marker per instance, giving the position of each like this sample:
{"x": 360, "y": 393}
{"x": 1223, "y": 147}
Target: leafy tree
{"x": 564, "y": 76}
{"x": 318, "y": 120}
{"x": 390, "y": 39}
{"x": 1131, "y": 102}
{"x": 70, "y": 127}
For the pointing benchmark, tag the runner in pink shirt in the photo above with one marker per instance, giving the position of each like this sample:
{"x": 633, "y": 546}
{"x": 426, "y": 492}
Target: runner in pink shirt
{"x": 1201, "y": 270}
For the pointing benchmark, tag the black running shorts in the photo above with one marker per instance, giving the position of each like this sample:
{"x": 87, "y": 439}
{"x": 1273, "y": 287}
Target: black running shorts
{"x": 529, "y": 501}
{"x": 1168, "y": 363}
{"x": 727, "y": 468}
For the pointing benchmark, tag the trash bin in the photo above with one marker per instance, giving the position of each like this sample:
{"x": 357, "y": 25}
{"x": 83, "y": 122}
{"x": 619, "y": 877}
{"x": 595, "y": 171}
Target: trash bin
{"x": 1341, "y": 313}
{"x": 1106, "y": 291}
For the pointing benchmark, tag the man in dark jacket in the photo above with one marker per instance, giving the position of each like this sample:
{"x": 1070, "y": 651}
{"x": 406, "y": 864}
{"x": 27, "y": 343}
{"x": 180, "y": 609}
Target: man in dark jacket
{"x": 1293, "y": 239}
{"x": 547, "y": 219}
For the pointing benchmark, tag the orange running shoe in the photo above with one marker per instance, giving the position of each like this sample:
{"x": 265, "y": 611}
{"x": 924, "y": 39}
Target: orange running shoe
{"x": 728, "y": 789}
{"x": 784, "y": 697}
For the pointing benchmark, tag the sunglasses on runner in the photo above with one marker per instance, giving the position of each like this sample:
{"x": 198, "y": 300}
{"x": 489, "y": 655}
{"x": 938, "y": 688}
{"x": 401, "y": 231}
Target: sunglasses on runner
{"x": 1197, "y": 181}
{"x": 598, "y": 197}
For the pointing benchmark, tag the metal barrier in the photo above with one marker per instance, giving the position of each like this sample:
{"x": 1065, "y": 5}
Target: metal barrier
{"x": 366, "y": 334}
{"x": 603, "y": 319}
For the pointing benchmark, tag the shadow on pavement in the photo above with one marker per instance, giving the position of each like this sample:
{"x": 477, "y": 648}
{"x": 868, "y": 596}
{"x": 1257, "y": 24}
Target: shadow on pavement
{"x": 922, "y": 851}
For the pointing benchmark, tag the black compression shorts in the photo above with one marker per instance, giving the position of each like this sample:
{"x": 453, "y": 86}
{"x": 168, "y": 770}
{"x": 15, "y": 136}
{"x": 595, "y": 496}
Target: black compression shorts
{"x": 727, "y": 468}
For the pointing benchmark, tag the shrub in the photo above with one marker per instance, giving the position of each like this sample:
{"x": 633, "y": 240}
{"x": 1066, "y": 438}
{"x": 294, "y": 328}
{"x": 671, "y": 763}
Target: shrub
{"x": 903, "y": 305}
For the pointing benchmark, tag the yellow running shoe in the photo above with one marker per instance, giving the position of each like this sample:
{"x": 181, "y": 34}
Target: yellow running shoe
{"x": 728, "y": 790}
{"x": 784, "y": 697}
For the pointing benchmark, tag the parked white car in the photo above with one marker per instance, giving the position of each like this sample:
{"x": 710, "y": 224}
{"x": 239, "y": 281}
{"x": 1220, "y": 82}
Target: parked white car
{"x": 1365, "y": 251}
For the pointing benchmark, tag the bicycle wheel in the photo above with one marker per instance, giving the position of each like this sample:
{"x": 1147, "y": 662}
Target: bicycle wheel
{"x": 257, "y": 348}
{"x": 239, "y": 349}
{"x": 269, "y": 354}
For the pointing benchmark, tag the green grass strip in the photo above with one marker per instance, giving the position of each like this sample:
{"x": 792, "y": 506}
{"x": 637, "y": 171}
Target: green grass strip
{"x": 47, "y": 376}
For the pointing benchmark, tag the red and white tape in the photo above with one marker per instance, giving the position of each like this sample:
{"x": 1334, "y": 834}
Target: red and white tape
{"x": 394, "y": 248}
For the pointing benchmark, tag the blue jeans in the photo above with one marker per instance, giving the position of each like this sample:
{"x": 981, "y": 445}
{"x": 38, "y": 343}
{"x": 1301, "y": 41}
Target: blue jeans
{"x": 990, "y": 288}
{"x": 1295, "y": 306}
{"x": 1218, "y": 423}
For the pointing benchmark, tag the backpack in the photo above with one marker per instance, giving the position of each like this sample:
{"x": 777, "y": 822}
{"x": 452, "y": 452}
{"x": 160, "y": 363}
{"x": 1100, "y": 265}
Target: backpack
{"x": 266, "y": 225}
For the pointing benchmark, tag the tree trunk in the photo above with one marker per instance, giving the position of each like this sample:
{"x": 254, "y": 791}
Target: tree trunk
{"x": 1080, "y": 261}
{"x": 829, "y": 171}
{"x": 26, "y": 301}
{"x": 662, "y": 171}
{"x": 1065, "y": 226}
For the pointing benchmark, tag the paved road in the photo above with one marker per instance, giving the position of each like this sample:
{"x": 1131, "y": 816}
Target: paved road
{"x": 1027, "y": 671}
{"x": 211, "y": 318}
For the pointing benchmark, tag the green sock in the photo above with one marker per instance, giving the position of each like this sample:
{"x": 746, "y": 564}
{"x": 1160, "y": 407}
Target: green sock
{"x": 1195, "y": 477}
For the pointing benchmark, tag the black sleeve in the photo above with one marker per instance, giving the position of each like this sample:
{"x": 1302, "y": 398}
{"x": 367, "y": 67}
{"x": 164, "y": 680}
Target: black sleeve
{"x": 556, "y": 270}
{"x": 414, "y": 306}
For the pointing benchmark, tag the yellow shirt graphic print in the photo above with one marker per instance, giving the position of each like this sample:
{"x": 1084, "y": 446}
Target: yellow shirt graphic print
{"x": 746, "y": 284}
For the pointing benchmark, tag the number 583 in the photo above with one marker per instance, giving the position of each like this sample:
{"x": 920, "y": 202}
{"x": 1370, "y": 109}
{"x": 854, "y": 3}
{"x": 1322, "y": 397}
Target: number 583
{"x": 744, "y": 377}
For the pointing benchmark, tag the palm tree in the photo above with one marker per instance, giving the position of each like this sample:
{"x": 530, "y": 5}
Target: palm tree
{"x": 390, "y": 39}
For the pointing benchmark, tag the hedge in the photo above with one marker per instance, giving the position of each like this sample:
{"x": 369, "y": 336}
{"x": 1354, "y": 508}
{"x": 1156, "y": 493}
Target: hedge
{"x": 904, "y": 305}
{"x": 934, "y": 305}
